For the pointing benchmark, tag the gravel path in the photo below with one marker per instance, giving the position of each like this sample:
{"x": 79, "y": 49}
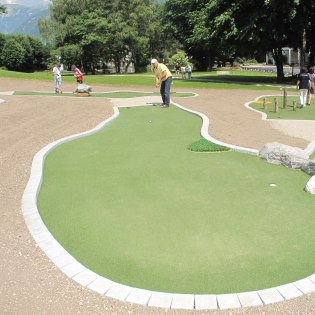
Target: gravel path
{"x": 30, "y": 283}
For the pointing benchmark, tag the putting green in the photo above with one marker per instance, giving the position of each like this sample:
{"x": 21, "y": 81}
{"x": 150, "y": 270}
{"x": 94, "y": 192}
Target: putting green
{"x": 132, "y": 203}
{"x": 306, "y": 113}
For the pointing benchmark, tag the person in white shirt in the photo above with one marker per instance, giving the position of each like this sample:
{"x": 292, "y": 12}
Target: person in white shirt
{"x": 57, "y": 76}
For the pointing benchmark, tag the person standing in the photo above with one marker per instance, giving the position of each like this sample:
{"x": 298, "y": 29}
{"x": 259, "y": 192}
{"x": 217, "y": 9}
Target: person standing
{"x": 163, "y": 79}
{"x": 303, "y": 84}
{"x": 311, "y": 91}
{"x": 57, "y": 77}
{"x": 188, "y": 70}
{"x": 177, "y": 71}
{"x": 77, "y": 74}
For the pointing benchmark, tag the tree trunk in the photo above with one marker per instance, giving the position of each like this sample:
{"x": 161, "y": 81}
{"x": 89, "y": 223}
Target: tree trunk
{"x": 278, "y": 58}
{"x": 127, "y": 66}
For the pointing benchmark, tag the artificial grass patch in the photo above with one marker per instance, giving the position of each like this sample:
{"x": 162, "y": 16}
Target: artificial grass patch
{"x": 306, "y": 113}
{"x": 203, "y": 145}
{"x": 133, "y": 204}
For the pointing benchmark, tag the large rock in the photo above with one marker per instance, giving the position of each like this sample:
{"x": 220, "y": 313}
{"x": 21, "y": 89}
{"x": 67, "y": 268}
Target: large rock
{"x": 310, "y": 186}
{"x": 309, "y": 168}
{"x": 83, "y": 88}
{"x": 277, "y": 153}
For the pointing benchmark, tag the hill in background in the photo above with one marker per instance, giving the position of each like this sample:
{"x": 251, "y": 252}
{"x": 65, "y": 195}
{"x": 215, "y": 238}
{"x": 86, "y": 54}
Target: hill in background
{"x": 22, "y": 16}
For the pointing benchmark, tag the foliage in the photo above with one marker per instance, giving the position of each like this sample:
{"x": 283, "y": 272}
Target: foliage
{"x": 12, "y": 55}
{"x": 22, "y": 53}
{"x": 2, "y": 9}
{"x": 180, "y": 58}
{"x": 93, "y": 32}
{"x": 204, "y": 145}
{"x": 221, "y": 30}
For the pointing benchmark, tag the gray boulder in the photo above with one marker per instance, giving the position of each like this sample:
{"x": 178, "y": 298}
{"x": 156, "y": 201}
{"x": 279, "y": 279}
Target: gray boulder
{"x": 310, "y": 186}
{"x": 277, "y": 153}
{"x": 83, "y": 88}
{"x": 309, "y": 168}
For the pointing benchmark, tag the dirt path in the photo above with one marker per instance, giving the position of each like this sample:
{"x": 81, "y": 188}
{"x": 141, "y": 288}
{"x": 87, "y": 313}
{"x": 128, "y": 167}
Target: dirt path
{"x": 30, "y": 283}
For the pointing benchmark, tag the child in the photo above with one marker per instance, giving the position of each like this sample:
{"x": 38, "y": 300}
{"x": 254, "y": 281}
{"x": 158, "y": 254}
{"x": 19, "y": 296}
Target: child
{"x": 78, "y": 74}
{"x": 57, "y": 75}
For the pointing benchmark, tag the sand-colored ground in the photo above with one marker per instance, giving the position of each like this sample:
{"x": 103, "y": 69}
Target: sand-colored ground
{"x": 29, "y": 282}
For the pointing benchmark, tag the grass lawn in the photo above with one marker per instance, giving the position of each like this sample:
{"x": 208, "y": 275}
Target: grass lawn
{"x": 120, "y": 94}
{"x": 234, "y": 79}
{"x": 135, "y": 205}
{"x": 307, "y": 113}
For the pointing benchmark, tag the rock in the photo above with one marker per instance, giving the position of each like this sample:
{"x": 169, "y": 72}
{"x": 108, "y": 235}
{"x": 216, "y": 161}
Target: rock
{"x": 309, "y": 168}
{"x": 310, "y": 186}
{"x": 83, "y": 88}
{"x": 277, "y": 153}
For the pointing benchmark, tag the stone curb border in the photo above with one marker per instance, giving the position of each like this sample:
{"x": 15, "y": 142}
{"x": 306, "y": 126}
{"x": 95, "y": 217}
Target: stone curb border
{"x": 89, "y": 279}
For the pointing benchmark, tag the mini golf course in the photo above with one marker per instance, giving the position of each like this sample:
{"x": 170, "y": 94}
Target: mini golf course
{"x": 133, "y": 204}
{"x": 306, "y": 113}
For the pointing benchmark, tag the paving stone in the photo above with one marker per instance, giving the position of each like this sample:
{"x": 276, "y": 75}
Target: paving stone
{"x": 226, "y": 301}
{"x": 206, "y": 302}
{"x": 119, "y": 292}
{"x": 85, "y": 277}
{"x": 289, "y": 291}
{"x": 312, "y": 278}
{"x": 269, "y": 296}
{"x": 305, "y": 285}
{"x": 101, "y": 285}
{"x": 139, "y": 296}
{"x": 249, "y": 299}
{"x": 72, "y": 269}
{"x": 160, "y": 299}
{"x": 183, "y": 301}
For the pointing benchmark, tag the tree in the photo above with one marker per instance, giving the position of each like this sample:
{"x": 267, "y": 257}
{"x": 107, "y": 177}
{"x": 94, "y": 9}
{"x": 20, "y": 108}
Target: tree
{"x": 2, "y": 9}
{"x": 28, "y": 55}
{"x": 103, "y": 30}
{"x": 180, "y": 58}
{"x": 12, "y": 55}
{"x": 224, "y": 29}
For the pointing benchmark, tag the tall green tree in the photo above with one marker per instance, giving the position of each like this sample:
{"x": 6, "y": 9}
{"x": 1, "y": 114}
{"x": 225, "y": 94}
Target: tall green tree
{"x": 12, "y": 55}
{"x": 117, "y": 30}
{"x": 225, "y": 29}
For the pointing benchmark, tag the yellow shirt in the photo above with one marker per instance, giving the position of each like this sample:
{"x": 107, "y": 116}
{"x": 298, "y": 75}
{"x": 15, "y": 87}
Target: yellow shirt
{"x": 159, "y": 71}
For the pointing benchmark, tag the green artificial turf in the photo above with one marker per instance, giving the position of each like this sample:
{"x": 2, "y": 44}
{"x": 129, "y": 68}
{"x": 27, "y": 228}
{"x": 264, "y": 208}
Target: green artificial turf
{"x": 132, "y": 203}
{"x": 203, "y": 145}
{"x": 306, "y": 113}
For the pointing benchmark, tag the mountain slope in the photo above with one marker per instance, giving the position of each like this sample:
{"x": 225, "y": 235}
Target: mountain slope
{"x": 22, "y": 19}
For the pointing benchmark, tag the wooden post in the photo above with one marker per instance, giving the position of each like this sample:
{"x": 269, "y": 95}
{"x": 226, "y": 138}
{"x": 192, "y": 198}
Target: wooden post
{"x": 264, "y": 103}
{"x": 285, "y": 97}
{"x": 294, "y": 106}
{"x": 276, "y": 105}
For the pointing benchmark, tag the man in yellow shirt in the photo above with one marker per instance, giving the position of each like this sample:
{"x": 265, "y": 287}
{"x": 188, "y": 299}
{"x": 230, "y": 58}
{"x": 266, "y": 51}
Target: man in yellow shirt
{"x": 163, "y": 79}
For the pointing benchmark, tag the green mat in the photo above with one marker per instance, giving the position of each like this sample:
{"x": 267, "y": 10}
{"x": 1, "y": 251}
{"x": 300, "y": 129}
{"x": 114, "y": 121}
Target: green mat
{"x": 133, "y": 204}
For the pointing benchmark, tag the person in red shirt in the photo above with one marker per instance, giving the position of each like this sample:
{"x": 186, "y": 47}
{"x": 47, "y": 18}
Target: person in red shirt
{"x": 77, "y": 74}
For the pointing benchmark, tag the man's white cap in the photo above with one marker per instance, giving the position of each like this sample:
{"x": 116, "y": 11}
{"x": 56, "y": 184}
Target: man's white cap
{"x": 153, "y": 61}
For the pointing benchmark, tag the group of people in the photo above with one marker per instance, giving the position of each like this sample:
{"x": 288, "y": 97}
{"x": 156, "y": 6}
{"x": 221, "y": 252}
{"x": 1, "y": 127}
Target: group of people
{"x": 163, "y": 80}
{"x": 306, "y": 85}
{"x": 57, "y": 76}
{"x": 181, "y": 71}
